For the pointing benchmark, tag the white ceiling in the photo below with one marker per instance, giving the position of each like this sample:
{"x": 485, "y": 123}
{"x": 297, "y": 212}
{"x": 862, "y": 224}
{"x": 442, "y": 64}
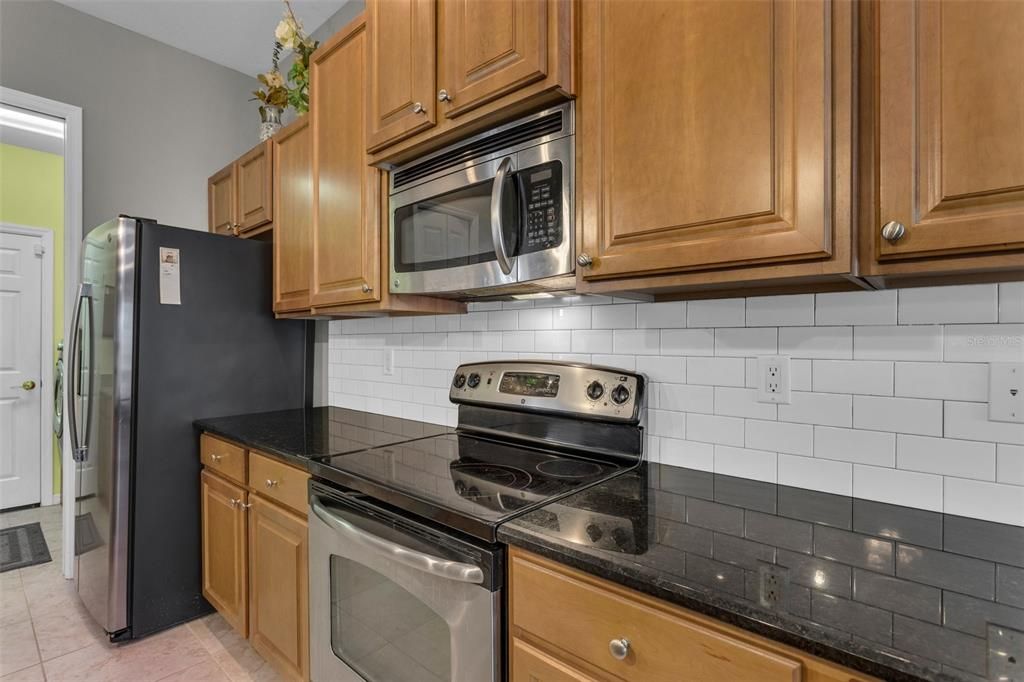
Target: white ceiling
{"x": 236, "y": 33}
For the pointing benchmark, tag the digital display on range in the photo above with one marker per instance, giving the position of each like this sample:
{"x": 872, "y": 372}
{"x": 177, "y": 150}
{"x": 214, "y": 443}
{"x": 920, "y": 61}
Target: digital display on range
{"x": 529, "y": 384}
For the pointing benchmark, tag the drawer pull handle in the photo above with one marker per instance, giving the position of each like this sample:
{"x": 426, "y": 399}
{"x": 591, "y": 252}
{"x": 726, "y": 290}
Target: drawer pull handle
{"x": 619, "y": 648}
{"x": 271, "y": 483}
{"x": 216, "y": 458}
{"x": 234, "y": 503}
{"x": 246, "y": 505}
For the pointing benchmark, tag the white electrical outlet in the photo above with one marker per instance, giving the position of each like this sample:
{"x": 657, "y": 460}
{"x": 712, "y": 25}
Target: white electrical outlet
{"x": 389, "y": 362}
{"x": 1006, "y": 392}
{"x": 773, "y": 379}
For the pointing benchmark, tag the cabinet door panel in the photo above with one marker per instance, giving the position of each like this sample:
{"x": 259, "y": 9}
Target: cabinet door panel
{"x": 696, "y": 153}
{"x": 346, "y": 204}
{"x": 293, "y": 216}
{"x": 279, "y": 598}
{"x": 487, "y": 49}
{"x": 402, "y": 69}
{"x": 225, "y": 561}
{"x": 530, "y": 664}
{"x": 255, "y": 187}
{"x": 220, "y": 198}
{"x": 950, "y": 126}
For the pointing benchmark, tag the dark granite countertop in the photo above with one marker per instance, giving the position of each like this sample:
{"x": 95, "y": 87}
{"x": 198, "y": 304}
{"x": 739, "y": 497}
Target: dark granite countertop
{"x": 298, "y": 435}
{"x": 890, "y": 591}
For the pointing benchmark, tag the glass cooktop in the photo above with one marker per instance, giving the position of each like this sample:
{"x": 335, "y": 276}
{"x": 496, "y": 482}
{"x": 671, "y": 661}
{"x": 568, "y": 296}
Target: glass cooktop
{"x": 465, "y": 482}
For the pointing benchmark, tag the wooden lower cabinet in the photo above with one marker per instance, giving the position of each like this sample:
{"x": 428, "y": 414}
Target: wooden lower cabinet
{"x": 225, "y": 561}
{"x": 279, "y": 587}
{"x": 255, "y": 557}
{"x": 562, "y": 623}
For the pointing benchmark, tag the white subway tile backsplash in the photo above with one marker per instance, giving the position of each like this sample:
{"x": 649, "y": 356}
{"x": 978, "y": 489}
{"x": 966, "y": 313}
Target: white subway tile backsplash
{"x": 780, "y": 311}
{"x": 970, "y": 422}
{"x": 1010, "y": 464}
{"x": 855, "y": 308}
{"x": 899, "y": 415}
{"x": 688, "y": 341}
{"x": 982, "y": 500}
{"x": 746, "y": 342}
{"x": 946, "y": 456}
{"x": 816, "y": 342}
{"x": 1011, "y": 302}
{"x": 756, "y": 464}
{"x": 927, "y": 305}
{"x": 720, "y": 312}
{"x": 906, "y": 488}
{"x": 890, "y": 388}
{"x": 667, "y": 315}
{"x": 942, "y": 380}
{"x": 897, "y": 343}
{"x": 816, "y": 474}
{"x": 859, "y": 377}
{"x": 985, "y": 343}
{"x": 828, "y": 409}
{"x": 854, "y": 445}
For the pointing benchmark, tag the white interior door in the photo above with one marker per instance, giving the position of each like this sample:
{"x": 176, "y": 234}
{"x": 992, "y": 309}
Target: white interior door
{"x": 21, "y": 330}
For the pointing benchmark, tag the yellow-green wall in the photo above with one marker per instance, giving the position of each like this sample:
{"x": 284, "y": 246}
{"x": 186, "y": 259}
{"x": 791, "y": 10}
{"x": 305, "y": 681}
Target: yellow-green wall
{"x": 32, "y": 194}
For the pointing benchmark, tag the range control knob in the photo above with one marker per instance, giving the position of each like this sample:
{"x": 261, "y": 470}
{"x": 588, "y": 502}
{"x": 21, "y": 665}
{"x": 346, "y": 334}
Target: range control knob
{"x": 620, "y": 394}
{"x": 594, "y": 532}
{"x": 474, "y": 380}
{"x": 460, "y": 381}
{"x": 595, "y": 390}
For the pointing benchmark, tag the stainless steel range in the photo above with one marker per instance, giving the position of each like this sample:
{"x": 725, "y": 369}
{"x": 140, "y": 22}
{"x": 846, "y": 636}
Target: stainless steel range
{"x": 406, "y": 576}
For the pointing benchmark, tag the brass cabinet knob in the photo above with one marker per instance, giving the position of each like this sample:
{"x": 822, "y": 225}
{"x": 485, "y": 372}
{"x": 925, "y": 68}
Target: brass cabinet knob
{"x": 216, "y": 458}
{"x": 893, "y": 231}
{"x": 234, "y": 503}
{"x": 443, "y": 96}
{"x": 584, "y": 261}
{"x": 619, "y": 648}
{"x": 271, "y": 483}
{"x": 417, "y": 108}
{"x": 367, "y": 288}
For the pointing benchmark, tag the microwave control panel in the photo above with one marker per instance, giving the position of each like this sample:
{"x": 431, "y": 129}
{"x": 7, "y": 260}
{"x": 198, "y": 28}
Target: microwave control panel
{"x": 542, "y": 191}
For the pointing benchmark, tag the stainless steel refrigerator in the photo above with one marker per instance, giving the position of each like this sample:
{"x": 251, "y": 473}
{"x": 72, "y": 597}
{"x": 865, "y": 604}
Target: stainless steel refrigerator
{"x": 171, "y": 325}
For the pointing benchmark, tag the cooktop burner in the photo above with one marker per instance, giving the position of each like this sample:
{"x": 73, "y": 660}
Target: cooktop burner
{"x": 498, "y": 474}
{"x": 569, "y": 468}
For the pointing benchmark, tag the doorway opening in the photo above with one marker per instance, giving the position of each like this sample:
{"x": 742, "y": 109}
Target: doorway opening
{"x": 40, "y": 242}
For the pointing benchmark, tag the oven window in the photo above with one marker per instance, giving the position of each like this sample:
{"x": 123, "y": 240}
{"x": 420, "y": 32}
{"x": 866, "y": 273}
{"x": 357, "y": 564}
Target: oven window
{"x": 382, "y": 631}
{"x": 446, "y": 231}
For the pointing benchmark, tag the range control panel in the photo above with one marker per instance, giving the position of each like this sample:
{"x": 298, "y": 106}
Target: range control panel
{"x": 587, "y": 391}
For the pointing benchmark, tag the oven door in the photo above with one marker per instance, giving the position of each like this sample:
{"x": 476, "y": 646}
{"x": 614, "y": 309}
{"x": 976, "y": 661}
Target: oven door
{"x": 393, "y": 600}
{"x": 497, "y": 223}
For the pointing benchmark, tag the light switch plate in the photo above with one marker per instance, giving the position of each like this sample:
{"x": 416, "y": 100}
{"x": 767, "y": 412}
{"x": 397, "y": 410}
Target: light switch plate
{"x": 773, "y": 377}
{"x": 1006, "y": 392}
{"x": 389, "y": 362}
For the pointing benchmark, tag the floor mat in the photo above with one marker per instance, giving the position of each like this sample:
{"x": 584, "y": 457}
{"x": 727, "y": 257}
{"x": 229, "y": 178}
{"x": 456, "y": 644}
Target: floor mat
{"x": 22, "y": 546}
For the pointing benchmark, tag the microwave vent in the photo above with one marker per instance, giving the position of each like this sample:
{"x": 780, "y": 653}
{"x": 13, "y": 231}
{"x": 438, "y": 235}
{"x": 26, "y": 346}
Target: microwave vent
{"x": 488, "y": 144}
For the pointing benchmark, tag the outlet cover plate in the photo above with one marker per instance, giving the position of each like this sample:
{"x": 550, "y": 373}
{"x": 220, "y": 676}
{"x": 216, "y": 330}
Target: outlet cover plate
{"x": 773, "y": 378}
{"x": 1006, "y": 392}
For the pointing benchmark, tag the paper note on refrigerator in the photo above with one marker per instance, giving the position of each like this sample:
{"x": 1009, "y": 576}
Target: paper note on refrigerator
{"x": 170, "y": 276}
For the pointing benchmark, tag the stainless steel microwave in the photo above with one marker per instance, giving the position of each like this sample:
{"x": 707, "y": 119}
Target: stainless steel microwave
{"x": 487, "y": 215}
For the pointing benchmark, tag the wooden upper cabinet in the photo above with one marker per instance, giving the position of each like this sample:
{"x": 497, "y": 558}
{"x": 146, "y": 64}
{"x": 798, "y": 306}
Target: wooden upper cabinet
{"x": 401, "y": 99}
{"x": 255, "y": 187}
{"x": 487, "y": 49}
{"x": 346, "y": 190}
{"x": 949, "y": 120}
{"x": 293, "y": 216}
{"x": 220, "y": 197}
{"x": 225, "y": 556}
{"x": 704, "y": 137}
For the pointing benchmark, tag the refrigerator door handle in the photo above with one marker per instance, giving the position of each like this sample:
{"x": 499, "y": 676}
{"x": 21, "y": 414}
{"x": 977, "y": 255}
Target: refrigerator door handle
{"x": 79, "y": 449}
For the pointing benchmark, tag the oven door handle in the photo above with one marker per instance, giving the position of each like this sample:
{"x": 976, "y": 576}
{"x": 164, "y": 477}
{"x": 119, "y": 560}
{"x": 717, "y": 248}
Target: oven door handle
{"x": 497, "y": 229}
{"x": 442, "y": 568}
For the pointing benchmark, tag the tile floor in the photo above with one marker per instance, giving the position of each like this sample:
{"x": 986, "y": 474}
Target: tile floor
{"x": 46, "y": 634}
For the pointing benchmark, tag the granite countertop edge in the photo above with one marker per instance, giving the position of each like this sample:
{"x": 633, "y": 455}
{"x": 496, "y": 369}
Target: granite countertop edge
{"x": 286, "y": 456}
{"x": 722, "y": 609}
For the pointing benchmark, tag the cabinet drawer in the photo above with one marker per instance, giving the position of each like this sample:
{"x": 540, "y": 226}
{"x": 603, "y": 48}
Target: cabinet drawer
{"x": 278, "y": 481}
{"x": 662, "y": 645}
{"x": 225, "y": 458}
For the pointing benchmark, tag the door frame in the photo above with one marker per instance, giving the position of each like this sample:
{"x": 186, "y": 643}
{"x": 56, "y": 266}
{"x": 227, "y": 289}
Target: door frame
{"x": 46, "y": 496}
{"x": 73, "y": 235}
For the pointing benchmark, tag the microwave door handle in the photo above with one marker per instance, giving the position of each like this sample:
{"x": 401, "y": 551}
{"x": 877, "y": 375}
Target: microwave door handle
{"x": 497, "y": 230}
{"x": 442, "y": 568}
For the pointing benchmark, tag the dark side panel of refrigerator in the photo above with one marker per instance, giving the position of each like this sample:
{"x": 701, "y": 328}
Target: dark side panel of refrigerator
{"x": 217, "y": 352}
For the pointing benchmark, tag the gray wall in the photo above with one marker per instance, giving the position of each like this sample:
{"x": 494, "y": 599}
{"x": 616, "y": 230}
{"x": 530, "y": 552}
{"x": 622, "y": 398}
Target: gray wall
{"x": 157, "y": 120}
